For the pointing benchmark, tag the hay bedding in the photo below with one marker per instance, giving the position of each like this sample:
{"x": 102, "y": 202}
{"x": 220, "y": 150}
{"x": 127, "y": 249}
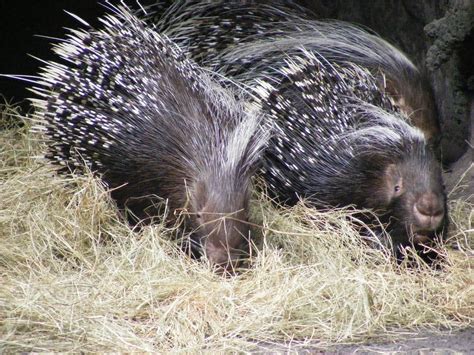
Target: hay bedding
{"x": 75, "y": 277}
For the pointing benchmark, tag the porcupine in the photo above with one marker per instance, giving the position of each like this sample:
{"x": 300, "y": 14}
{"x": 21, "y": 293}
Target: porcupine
{"x": 127, "y": 104}
{"x": 341, "y": 138}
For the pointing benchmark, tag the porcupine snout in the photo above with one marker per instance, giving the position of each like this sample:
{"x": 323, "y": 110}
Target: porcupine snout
{"x": 428, "y": 213}
{"x": 221, "y": 244}
{"x": 423, "y": 200}
{"x": 219, "y": 222}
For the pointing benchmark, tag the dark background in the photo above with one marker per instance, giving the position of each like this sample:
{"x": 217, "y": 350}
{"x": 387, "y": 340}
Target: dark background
{"x": 437, "y": 34}
{"x": 21, "y": 21}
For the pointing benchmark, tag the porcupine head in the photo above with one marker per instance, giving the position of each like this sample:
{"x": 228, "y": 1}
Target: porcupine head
{"x": 414, "y": 194}
{"x": 219, "y": 196}
{"x": 403, "y": 181}
{"x": 386, "y": 165}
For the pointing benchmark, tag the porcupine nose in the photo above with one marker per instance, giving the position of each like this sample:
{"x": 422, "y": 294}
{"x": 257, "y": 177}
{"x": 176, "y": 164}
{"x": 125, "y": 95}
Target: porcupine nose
{"x": 223, "y": 242}
{"x": 221, "y": 256}
{"x": 429, "y": 211}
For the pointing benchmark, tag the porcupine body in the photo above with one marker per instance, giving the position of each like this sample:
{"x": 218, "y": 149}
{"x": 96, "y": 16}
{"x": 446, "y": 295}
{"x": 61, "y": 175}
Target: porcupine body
{"x": 127, "y": 104}
{"x": 341, "y": 137}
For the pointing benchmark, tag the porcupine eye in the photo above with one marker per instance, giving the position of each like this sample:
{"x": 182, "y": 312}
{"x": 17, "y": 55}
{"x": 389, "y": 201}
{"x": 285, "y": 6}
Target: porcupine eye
{"x": 397, "y": 188}
{"x": 198, "y": 218}
{"x": 199, "y": 202}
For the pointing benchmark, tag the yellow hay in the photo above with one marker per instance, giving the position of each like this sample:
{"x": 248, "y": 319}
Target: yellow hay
{"x": 75, "y": 277}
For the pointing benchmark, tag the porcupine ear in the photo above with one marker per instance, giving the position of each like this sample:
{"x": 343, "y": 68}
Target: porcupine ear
{"x": 393, "y": 181}
{"x": 416, "y": 101}
{"x": 391, "y": 88}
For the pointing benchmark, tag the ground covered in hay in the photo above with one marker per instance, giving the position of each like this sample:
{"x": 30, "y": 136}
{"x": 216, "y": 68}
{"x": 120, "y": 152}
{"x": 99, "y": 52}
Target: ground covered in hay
{"x": 75, "y": 277}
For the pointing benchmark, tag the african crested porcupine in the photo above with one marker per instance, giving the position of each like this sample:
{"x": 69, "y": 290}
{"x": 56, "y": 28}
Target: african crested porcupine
{"x": 127, "y": 104}
{"x": 342, "y": 138}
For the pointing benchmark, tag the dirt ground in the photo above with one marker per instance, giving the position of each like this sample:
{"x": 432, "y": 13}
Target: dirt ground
{"x": 423, "y": 343}
{"x": 445, "y": 342}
